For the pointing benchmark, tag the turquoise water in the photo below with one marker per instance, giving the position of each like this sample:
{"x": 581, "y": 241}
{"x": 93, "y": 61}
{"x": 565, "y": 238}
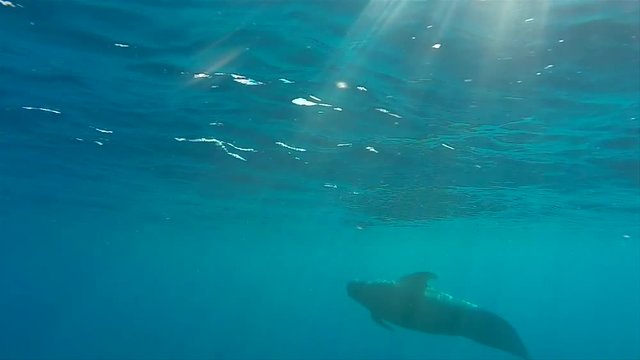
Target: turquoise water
{"x": 199, "y": 179}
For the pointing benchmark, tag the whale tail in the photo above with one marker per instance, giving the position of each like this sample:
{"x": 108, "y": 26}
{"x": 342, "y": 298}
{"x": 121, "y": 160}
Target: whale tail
{"x": 491, "y": 330}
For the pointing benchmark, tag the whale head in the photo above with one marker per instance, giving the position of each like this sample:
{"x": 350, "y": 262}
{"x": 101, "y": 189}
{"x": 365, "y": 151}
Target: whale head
{"x": 371, "y": 294}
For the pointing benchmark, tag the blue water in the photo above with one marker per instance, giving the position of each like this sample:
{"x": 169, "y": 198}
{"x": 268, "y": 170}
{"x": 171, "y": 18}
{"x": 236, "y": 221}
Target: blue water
{"x": 199, "y": 179}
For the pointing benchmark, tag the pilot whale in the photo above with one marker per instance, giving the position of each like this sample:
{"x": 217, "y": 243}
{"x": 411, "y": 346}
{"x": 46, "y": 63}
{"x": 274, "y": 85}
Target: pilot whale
{"x": 408, "y": 303}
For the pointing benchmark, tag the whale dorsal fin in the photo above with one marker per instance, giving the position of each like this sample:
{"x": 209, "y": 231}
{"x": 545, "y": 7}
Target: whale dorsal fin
{"x": 417, "y": 281}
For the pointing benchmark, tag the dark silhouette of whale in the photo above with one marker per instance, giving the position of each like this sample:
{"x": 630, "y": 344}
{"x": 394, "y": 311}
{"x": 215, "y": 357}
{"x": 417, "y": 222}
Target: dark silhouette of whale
{"x": 410, "y": 304}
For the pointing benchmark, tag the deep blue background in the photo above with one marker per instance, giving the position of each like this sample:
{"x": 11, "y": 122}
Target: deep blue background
{"x": 129, "y": 229}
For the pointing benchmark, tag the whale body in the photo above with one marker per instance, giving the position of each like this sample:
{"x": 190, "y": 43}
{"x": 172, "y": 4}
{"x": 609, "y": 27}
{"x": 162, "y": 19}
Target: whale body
{"x": 408, "y": 303}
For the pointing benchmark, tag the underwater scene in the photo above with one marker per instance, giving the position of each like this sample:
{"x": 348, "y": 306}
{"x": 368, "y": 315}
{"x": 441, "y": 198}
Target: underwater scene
{"x": 320, "y": 179}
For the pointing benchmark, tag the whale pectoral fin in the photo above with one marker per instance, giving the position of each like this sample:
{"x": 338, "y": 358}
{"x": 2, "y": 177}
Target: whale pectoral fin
{"x": 381, "y": 322}
{"x": 417, "y": 281}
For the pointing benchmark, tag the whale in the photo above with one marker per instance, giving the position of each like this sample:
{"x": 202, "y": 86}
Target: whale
{"x": 409, "y": 303}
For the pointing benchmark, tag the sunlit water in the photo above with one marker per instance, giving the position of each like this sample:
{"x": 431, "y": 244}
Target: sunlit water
{"x": 200, "y": 179}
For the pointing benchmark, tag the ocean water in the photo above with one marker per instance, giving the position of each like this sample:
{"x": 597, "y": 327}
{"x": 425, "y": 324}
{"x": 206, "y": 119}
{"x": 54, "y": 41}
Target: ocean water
{"x": 199, "y": 179}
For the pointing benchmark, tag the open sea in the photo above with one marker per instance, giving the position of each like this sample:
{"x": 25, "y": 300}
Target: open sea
{"x": 199, "y": 179}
